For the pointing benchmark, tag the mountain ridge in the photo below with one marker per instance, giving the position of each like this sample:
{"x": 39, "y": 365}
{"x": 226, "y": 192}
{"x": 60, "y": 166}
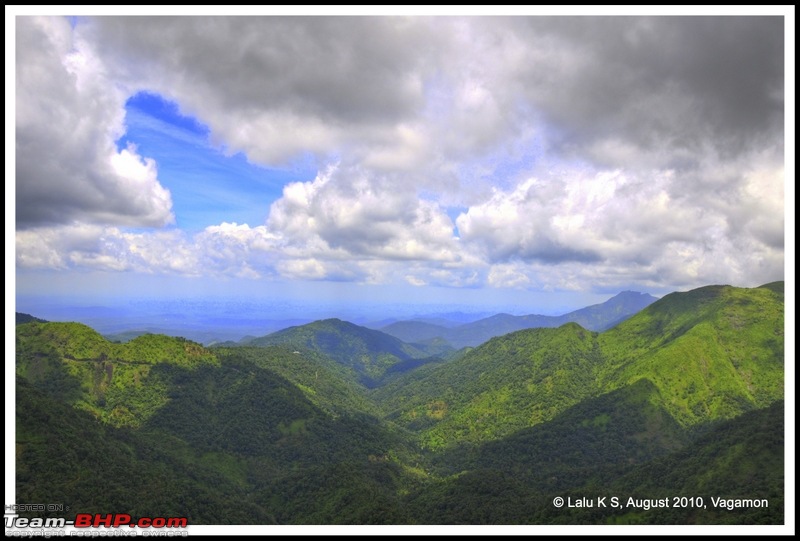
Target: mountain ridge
{"x": 367, "y": 352}
{"x": 596, "y": 317}
{"x": 713, "y": 352}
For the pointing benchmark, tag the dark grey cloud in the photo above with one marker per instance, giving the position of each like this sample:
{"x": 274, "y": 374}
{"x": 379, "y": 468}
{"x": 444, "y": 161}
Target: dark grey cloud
{"x": 340, "y": 68}
{"x": 664, "y": 84}
{"x": 295, "y": 83}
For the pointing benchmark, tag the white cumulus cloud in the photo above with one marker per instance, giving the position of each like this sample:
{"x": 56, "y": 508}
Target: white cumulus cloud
{"x": 68, "y": 117}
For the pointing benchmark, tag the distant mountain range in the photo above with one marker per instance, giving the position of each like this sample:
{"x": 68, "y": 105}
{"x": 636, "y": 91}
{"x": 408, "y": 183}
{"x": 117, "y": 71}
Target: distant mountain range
{"x": 598, "y": 317}
{"x": 333, "y": 423}
{"x": 449, "y": 329}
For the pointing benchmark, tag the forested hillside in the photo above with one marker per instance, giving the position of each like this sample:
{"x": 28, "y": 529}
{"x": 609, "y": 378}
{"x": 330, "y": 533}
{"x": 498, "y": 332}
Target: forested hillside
{"x": 333, "y": 423}
{"x": 711, "y": 353}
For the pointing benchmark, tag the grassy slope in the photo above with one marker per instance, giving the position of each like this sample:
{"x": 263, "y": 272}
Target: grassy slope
{"x": 508, "y": 384}
{"x": 712, "y": 353}
{"x": 72, "y": 362}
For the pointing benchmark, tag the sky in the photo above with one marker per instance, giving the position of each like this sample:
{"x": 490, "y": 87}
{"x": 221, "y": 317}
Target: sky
{"x": 527, "y": 164}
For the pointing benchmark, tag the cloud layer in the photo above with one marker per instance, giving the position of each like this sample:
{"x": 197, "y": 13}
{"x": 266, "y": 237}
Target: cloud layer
{"x": 533, "y": 152}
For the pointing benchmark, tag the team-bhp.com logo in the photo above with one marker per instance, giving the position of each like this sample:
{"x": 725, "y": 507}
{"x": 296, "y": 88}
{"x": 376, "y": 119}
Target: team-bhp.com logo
{"x": 96, "y": 520}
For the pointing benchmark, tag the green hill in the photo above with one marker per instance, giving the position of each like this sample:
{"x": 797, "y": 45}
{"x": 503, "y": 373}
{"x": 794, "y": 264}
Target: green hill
{"x": 508, "y": 384}
{"x": 324, "y": 382}
{"x": 198, "y": 429}
{"x": 711, "y": 353}
{"x": 73, "y": 363}
{"x": 366, "y": 352}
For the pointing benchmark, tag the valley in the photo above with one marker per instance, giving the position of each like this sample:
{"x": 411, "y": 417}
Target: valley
{"x": 331, "y": 422}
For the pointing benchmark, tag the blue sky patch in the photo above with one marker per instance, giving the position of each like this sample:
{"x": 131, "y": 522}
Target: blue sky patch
{"x": 207, "y": 186}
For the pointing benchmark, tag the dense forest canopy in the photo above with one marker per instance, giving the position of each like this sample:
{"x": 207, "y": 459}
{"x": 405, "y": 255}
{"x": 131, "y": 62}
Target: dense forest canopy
{"x": 332, "y": 423}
